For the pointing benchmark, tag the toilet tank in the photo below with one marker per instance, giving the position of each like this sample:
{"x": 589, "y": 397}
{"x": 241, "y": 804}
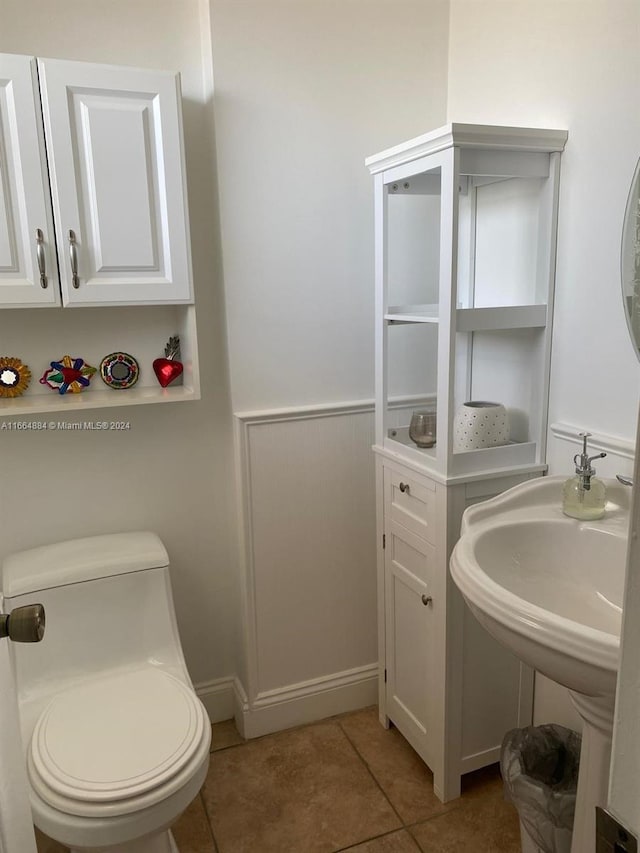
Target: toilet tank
{"x": 108, "y": 606}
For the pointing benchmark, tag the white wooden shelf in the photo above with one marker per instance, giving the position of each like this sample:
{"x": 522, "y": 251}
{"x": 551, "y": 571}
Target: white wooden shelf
{"x": 502, "y": 317}
{"x": 412, "y": 314}
{"x": 37, "y": 337}
{"x": 473, "y": 319}
{"x": 516, "y": 454}
{"x": 41, "y": 404}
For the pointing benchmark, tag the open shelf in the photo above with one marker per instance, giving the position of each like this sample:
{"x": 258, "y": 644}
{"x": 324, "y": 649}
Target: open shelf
{"x": 474, "y": 319}
{"x": 87, "y": 400}
{"x": 516, "y": 454}
{"x": 503, "y": 317}
{"x": 412, "y": 314}
{"x": 39, "y": 336}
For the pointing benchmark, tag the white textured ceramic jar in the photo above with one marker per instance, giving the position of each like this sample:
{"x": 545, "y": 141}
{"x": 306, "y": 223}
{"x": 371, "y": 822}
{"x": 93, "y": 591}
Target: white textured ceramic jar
{"x": 480, "y": 423}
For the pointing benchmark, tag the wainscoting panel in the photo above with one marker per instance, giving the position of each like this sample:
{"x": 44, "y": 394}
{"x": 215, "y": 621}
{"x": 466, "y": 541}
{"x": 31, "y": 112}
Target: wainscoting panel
{"x": 309, "y": 583}
{"x": 620, "y": 451}
{"x": 308, "y": 505}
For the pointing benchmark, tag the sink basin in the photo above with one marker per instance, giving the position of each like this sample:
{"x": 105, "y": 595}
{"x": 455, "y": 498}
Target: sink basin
{"x": 551, "y": 589}
{"x": 548, "y": 586}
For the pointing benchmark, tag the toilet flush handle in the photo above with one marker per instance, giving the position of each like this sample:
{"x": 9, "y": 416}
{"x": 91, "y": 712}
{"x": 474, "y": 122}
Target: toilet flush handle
{"x": 24, "y": 624}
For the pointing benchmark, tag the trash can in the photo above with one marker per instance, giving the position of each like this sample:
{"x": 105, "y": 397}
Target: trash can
{"x": 539, "y": 766}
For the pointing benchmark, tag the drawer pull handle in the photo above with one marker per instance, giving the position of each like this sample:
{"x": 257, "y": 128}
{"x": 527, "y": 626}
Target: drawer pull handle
{"x": 404, "y": 487}
{"x": 42, "y": 258}
{"x": 426, "y": 599}
{"x": 73, "y": 257}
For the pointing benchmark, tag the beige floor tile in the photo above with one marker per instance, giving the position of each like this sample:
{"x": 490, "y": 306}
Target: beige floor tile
{"x": 482, "y": 821}
{"x": 48, "y": 845}
{"x": 301, "y": 791}
{"x": 400, "y": 772}
{"x": 395, "y": 842}
{"x": 225, "y": 734}
{"x": 192, "y": 832}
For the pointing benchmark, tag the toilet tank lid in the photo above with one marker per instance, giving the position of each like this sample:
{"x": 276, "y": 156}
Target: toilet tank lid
{"x": 81, "y": 560}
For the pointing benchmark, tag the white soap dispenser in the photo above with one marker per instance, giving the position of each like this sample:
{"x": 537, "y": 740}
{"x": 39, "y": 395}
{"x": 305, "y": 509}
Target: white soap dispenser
{"x": 584, "y": 496}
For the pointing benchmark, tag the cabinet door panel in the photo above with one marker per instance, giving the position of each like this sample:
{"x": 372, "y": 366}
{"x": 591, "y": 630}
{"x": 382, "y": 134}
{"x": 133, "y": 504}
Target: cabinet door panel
{"x": 407, "y": 676}
{"x": 120, "y": 166}
{"x": 114, "y": 140}
{"x": 409, "y": 636}
{"x": 25, "y": 202}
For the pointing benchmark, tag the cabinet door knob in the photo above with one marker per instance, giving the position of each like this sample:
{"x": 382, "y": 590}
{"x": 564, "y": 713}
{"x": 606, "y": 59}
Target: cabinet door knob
{"x": 404, "y": 487}
{"x": 73, "y": 257}
{"x": 42, "y": 258}
{"x": 426, "y": 599}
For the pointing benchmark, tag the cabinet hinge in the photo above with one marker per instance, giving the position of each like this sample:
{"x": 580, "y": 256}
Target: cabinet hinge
{"x": 384, "y": 541}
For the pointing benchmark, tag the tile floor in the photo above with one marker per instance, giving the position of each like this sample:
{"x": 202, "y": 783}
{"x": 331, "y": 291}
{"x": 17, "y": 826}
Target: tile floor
{"x": 342, "y": 784}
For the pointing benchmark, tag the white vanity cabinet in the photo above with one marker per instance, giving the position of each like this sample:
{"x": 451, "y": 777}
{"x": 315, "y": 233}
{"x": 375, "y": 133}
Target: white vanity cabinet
{"x": 448, "y": 686}
{"x": 410, "y": 555}
{"x": 93, "y": 215}
{"x": 465, "y": 236}
{"x": 113, "y": 146}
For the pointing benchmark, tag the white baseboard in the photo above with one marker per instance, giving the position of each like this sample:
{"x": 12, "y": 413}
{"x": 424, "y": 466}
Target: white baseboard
{"x": 306, "y": 702}
{"x": 218, "y": 697}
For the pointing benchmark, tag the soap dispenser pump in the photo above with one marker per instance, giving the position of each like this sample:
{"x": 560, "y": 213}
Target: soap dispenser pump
{"x": 583, "y": 496}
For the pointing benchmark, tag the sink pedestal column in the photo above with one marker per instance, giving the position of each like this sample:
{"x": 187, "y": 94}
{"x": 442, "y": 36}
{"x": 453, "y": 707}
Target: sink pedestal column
{"x": 595, "y": 756}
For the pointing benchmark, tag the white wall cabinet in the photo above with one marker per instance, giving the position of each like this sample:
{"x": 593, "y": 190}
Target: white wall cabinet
{"x": 26, "y": 220}
{"x": 114, "y": 143}
{"x": 93, "y": 213}
{"x": 115, "y": 160}
{"x": 465, "y": 221}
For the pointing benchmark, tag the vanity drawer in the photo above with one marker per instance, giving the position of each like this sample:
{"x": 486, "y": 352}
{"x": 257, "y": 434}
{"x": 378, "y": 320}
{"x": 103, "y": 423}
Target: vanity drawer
{"x": 411, "y": 503}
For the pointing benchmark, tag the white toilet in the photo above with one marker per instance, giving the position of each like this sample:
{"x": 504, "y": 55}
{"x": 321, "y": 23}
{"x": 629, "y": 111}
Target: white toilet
{"x": 116, "y": 741}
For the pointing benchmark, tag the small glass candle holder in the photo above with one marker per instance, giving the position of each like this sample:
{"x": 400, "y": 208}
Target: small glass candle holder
{"x": 422, "y": 429}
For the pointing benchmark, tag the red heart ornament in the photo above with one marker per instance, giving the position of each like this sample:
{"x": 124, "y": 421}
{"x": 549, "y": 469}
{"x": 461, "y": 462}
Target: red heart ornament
{"x": 167, "y": 369}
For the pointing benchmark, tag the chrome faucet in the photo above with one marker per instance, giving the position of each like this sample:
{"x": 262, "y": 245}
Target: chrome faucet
{"x": 626, "y": 481}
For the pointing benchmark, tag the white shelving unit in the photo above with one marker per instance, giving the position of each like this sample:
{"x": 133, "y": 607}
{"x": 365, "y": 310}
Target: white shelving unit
{"x": 465, "y": 235}
{"x": 474, "y": 211}
{"x": 95, "y": 251}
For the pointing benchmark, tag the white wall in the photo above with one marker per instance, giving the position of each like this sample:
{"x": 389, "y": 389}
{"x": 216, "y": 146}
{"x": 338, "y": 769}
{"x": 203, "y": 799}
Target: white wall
{"x": 304, "y": 90}
{"x": 171, "y": 471}
{"x": 570, "y": 64}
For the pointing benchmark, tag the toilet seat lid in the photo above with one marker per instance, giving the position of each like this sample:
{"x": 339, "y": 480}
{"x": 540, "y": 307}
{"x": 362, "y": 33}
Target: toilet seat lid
{"x": 117, "y": 737}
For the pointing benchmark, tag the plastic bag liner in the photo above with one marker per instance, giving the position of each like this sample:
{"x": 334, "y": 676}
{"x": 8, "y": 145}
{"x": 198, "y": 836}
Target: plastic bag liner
{"x": 539, "y": 766}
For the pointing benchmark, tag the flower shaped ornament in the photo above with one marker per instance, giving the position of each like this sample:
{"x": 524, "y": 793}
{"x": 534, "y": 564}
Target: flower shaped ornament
{"x": 68, "y": 374}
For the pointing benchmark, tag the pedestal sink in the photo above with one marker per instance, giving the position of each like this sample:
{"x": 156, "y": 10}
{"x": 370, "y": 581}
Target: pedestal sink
{"x": 551, "y": 589}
